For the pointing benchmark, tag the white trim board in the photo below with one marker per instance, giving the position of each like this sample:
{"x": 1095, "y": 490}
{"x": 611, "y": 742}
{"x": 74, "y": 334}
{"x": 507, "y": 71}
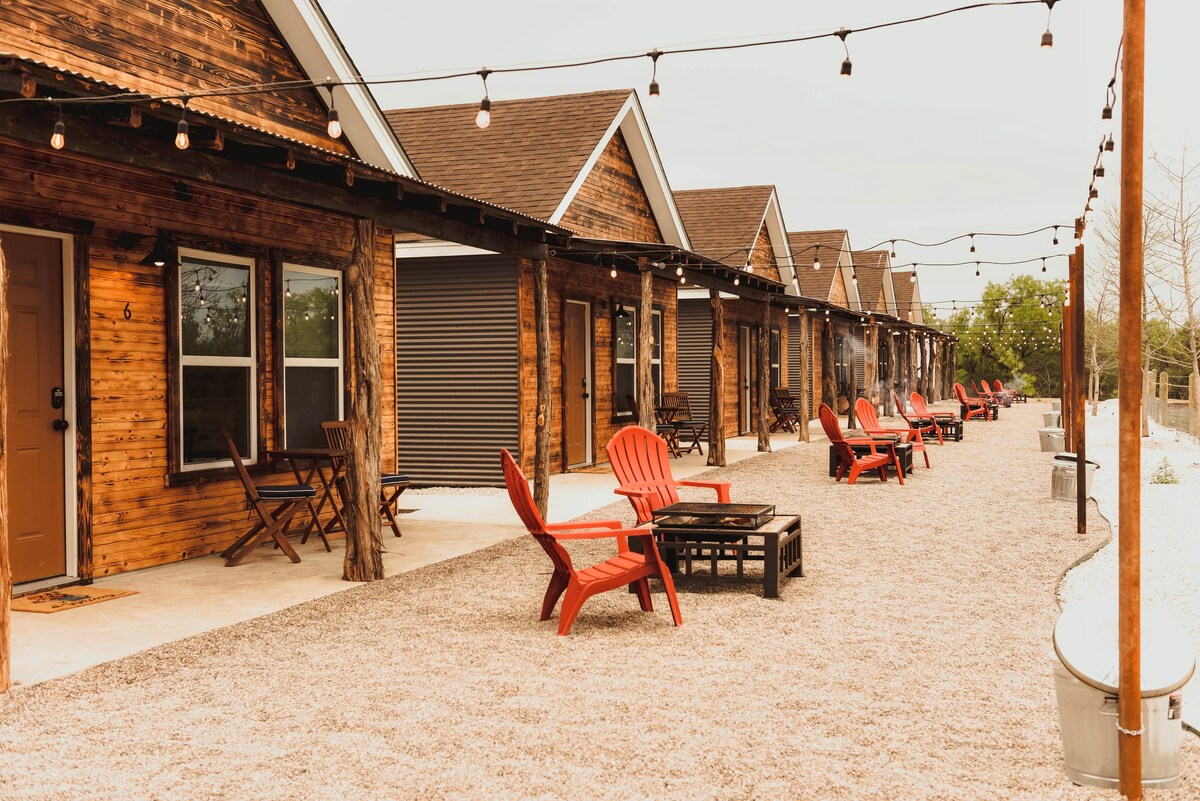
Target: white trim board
{"x": 631, "y": 121}
{"x": 437, "y": 248}
{"x": 312, "y": 39}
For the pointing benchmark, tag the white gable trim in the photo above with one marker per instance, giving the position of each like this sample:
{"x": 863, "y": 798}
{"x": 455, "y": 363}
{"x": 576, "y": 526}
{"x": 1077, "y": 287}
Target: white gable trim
{"x": 889, "y": 289}
{"x": 307, "y": 31}
{"x": 846, "y": 265}
{"x": 427, "y": 248}
{"x": 631, "y": 121}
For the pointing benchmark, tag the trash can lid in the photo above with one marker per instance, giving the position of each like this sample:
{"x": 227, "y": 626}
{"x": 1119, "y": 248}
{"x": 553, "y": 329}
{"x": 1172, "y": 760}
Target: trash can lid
{"x": 1051, "y": 430}
{"x": 1085, "y": 641}
{"x": 1068, "y": 456}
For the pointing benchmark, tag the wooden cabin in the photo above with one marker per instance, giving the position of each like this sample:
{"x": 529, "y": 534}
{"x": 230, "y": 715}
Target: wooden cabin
{"x": 583, "y": 161}
{"x": 908, "y": 296}
{"x": 165, "y": 288}
{"x": 877, "y": 298}
{"x": 742, "y": 227}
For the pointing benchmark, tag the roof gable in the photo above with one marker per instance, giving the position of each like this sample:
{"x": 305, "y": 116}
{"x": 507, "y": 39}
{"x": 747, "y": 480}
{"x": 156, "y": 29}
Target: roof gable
{"x": 612, "y": 202}
{"x": 164, "y": 48}
{"x": 831, "y": 248}
{"x": 875, "y": 280}
{"x": 538, "y": 153}
{"x": 724, "y": 223}
{"x": 908, "y": 297}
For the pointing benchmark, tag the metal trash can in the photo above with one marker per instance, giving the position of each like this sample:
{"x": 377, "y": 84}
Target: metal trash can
{"x": 1053, "y": 439}
{"x": 1085, "y": 665}
{"x": 1051, "y": 419}
{"x": 1056, "y": 405}
{"x": 1062, "y": 476}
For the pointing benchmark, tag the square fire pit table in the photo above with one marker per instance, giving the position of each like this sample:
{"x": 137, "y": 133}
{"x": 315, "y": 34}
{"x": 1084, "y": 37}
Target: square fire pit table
{"x": 731, "y": 532}
{"x": 993, "y": 408}
{"x": 952, "y": 427}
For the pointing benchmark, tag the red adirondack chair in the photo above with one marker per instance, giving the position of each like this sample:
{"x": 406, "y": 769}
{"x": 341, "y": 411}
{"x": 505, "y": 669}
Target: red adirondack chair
{"x": 853, "y": 462}
{"x": 923, "y": 411}
{"x": 1016, "y": 396}
{"x": 992, "y": 397}
{"x": 639, "y": 459}
{"x": 868, "y": 421}
{"x": 974, "y": 406}
{"x": 627, "y": 568}
{"x": 926, "y": 424}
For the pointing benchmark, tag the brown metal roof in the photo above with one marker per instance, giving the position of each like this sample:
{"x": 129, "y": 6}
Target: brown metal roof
{"x": 816, "y": 283}
{"x": 904, "y": 293}
{"x": 723, "y": 223}
{"x": 526, "y": 159}
{"x": 871, "y": 267}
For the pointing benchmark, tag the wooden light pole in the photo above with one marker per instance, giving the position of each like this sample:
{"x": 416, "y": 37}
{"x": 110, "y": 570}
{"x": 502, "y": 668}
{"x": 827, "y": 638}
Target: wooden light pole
{"x": 5, "y": 566}
{"x": 1129, "y": 554}
{"x": 541, "y": 441}
{"x": 716, "y": 392}
{"x": 1068, "y": 361}
{"x": 1078, "y": 391}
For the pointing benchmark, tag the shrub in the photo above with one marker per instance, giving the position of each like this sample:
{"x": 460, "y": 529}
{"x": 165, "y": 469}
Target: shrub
{"x": 1164, "y": 474}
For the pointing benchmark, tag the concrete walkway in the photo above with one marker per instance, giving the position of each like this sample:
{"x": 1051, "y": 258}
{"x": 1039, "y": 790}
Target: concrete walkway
{"x": 186, "y": 598}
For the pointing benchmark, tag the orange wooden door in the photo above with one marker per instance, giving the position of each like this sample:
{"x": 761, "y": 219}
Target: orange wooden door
{"x": 577, "y": 403}
{"x": 36, "y": 492}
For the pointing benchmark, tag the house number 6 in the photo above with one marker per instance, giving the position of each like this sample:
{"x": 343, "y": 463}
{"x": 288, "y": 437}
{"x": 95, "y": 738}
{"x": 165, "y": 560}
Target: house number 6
{"x": 128, "y": 314}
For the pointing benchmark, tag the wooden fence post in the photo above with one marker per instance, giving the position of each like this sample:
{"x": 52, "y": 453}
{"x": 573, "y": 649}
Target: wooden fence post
{"x": 1194, "y": 403}
{"x": 804, "y": 357}
{"x": 5, "y": 567}
{"x": 1164, "y": 395}
{"x": 541, "y": 442}
{"x": 716, "y": 392}
{"x": 645, "y": 347}
{"x": 364, "y": 545}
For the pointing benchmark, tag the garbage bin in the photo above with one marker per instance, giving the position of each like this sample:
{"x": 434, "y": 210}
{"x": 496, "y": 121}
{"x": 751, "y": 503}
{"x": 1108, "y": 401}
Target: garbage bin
{"x": 1053, "y": 439}
{"x": 1085, "y": 665}
{"x": 1056, "y": 405}
{"x": 1051, "y": 419}
{"x": 1062, "y": 476}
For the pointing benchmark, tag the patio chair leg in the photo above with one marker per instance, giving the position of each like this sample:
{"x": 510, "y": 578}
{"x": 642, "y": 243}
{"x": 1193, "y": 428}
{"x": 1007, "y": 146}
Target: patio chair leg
{"x": 558, "y": 583}
{"x": 642, "y": 588}
{"x": 572, "y": 603}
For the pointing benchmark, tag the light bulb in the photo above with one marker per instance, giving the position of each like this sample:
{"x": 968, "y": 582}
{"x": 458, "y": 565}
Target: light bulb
{"x": 484, "y": 118}
{"x": 679, "y": 271}
{"x": 737, "y": 281}
{"x": 181, "y": 135}
{"x": 816, "y": 263}
{"x": 1047, "y": 40}
{"x": 750, "y": 268}
{"x": 612, "y": 273}
{"x": 654, "y": 89}
{"x": 683, "y": 279}
{"x": 58, "y": 139}
{"x": 1043, "y": 265}
{"x": 893, "y": 248}
{"x": 335, "y": 126}
{"x": 1055, "y": 235}
{"x": 912, "y": 277}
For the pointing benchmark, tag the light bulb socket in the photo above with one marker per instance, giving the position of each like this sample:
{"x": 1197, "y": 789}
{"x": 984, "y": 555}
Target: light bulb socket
{"x": 1110, "y": 145}
{"x": 1047, "y": 39}
{"x": 654, "y": 89}
{"x": 847, "y": 68}
{"x": 1106, "y": 114}
{"x": 1099, "y": 171}
{"x": 1093, "y": 193}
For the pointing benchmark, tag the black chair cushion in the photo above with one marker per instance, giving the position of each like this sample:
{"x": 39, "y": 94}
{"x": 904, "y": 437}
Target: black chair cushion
{"x": 285, "y": 492}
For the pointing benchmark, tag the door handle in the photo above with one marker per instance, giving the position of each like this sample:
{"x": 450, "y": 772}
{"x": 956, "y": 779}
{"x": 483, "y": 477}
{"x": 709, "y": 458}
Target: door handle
{"x": 60, "y": 425}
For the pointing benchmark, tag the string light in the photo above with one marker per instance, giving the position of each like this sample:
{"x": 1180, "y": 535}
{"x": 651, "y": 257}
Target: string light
{"x": 976, "y": 269}
{"x": 484, "y": 118}
{"x": 893, "y": 248}
{"x": 912, "y": 277}
{"x": 1106, "y": 112}
{"x": 1047, "y": 37}
{"x": 58, "y": 139}
{"x": 1109, "y": 144}
{"x": 334, "y": 128}
{"x": 972, "y": 242}
{"x": 1055, "y": 242}
{"x": 1043, "y": 264}
{"x": 846, "y": 65}
{"x": 654, "y": 54}
{"x": 612, "y": 273}
{"x": 287, "y": 286}
{"x": 816, "y": 257}
{"x": 181, "y": 130}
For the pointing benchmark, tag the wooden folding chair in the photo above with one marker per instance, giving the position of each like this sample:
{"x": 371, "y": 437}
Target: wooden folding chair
{"x": 272, "y": 523}
{"x": 783, "y": 406}
{"x": 337, "y": 435}
{"x": 668, "y": 431}
{"x": 690, "y": 430}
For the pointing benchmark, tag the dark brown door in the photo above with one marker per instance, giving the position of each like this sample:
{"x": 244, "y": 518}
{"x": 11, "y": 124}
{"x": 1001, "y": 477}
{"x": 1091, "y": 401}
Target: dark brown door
{"x": 745, "y": 367}
{"x": 37, "y": 538}
{"x": 576, "y": 387}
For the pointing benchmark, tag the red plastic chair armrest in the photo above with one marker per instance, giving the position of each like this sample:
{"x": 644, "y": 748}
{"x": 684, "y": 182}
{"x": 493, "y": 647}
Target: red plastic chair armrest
{"x": 866, "y": 441}
{"x": 622, "y": 536}
{"x": 720, "y": 487}
{"x": 583, "y": 524}
{"x": 633, "y": 493}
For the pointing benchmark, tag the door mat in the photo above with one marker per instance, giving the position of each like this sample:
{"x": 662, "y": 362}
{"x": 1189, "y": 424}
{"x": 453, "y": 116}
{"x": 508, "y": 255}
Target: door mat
{"x": 66, "y": 598}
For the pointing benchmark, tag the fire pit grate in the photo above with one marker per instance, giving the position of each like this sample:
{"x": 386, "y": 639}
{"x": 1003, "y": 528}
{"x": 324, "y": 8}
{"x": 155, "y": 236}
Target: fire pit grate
{"x": 714, "y": 515}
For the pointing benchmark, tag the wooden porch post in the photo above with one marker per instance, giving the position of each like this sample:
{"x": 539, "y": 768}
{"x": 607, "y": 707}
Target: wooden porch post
{"x": 871, "y": 363}
{"x": 1079, "y": 394}
{"x": 716, "y": 392}
{"x": 5, "y": 567}
{"x": 828, "y": 378}
{"x": 910, "y": 362}
{"x": 1129, "y": 543}
{"x": 764, "y": 379}
{"x": 1068, "y": 352}
{"x": 805, "y": 345}
{"x": 645, "y": 347}
{"x": 364, "y": 546}
{"x": 853, "y": 382}
{"x": 541, "y": 442}
{"x": 926, "y": 384}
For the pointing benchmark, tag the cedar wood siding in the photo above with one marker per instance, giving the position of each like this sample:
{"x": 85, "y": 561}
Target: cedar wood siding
{"x": 571, "y": 281}
{"x": 762, "y": 257}
{"x": 137, "y": 519}
{"x": 612, "y": 203}
{"x": 837, "y": 291}
{"x": 180, "y": 46}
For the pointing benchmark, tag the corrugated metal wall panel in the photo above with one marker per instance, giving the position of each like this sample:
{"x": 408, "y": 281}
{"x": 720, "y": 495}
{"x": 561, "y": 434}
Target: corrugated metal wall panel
{"x": 695, "y": 354}
{"x": 457, "y": 368}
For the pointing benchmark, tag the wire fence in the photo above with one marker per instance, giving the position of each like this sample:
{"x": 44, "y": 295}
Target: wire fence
{"x": 1175, "y": 405}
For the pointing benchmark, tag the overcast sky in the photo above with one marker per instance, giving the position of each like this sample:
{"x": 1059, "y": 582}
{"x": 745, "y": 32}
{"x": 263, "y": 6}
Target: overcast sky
{"x": 948, "y": 126}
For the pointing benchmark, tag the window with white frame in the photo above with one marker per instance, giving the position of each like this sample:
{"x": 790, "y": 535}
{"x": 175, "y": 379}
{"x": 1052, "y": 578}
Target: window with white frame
{"x": 312, "y": 353}
{"x": 217, "y": 358}
{"x": 625, "y": 340}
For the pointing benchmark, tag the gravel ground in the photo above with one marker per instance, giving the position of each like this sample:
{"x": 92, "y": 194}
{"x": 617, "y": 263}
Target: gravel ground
{"x": 1170, "y": 545}
{"x": 912, "y": 662}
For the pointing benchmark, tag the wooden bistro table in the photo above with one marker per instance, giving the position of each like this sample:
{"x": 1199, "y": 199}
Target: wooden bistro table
{"x": 722, "y": 531}
{"x": 326, "y": 465}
